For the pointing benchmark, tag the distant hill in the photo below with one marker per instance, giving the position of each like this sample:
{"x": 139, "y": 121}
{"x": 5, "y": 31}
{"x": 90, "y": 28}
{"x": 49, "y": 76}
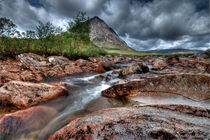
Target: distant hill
{"x": 104, "y": 36}
{"x": 175, "y": 51}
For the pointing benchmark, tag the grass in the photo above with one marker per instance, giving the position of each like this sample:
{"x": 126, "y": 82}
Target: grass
{"x": 70, "y": 45}
{"x": 49, "y": 40}
{"x": 131, "y": 53}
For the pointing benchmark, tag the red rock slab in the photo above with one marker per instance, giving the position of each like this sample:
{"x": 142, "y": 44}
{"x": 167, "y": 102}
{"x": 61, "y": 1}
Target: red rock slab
{"x": 193, "y": 86}
{"x": 172, "y": 122}
{"x": 24, "y": 94}
{"x": 21, "y": 122}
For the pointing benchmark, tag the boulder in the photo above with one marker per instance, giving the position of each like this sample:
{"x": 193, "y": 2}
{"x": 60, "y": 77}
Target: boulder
{"x": 193, "y": 86}
{"x": 32, "y": 61}
{"x": 59, "y": 60}
{"x": 100, "y": 68}
{"x": 159, "y": 63}
{"x": 24, "y": 94}
{"x": 135, "y": 68}
{"x": 81, "y": 62}
{"x": 163, "y": 122}
{"x": 14, "y": 125}
{"x": 107, "y": 64}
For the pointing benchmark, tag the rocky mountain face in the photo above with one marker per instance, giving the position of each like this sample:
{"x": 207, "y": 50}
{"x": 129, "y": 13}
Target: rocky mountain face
{"x": 104, "y": 36}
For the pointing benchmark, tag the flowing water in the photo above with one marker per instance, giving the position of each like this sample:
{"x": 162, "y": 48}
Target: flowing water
{"x": 84, "y": 98}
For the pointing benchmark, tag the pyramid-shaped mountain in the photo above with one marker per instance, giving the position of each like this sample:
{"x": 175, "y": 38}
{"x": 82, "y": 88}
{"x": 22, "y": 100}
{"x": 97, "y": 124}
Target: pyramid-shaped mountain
{"x": 104, "y": 36}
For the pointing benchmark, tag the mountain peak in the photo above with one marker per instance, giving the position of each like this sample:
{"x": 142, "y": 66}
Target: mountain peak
{"x": 104, "y": 36}
{"x": 96, "y": 18}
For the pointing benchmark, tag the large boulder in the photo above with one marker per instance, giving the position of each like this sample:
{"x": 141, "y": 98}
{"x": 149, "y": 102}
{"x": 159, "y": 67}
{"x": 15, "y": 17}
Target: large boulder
{"x": 163, "y": 122}
{"x": 32, "y": 61}
{"x": 53, "y": 66}
{"x": 193, "y": 86}
{"x": 19, "y": 124}
{"x": 24, "y": 94}
{"x": 134, "y": 68}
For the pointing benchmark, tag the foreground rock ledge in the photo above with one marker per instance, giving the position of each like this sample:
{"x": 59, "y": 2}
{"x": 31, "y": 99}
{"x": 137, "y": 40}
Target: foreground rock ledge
{"x": 24, "y": 94}
{"x": 140, "y": 122}
{"x": 193, "y": 86}
{"x": 24, "y": 121}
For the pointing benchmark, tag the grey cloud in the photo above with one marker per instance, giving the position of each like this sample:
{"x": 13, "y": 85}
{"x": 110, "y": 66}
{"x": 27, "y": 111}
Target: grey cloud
{"x": 166, "y": 19}
{"x": 70, "y": 8}
{"x": 148, "y": 24}
{"x": 198, "y": 42}
{"x": 19, "y": 11}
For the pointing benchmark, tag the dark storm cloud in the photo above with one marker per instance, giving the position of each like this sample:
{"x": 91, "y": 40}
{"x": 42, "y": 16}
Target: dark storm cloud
{"x": 166, "y": 19}
{"x": 35, "y": 3}
{"x": 144, "y": 24}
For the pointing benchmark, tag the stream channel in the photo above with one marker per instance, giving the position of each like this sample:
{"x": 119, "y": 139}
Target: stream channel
{"x": 84, "y": 98}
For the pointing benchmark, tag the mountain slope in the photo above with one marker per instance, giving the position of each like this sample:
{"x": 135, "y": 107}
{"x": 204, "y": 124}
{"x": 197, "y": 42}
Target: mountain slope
{"x": 104, "y": 36}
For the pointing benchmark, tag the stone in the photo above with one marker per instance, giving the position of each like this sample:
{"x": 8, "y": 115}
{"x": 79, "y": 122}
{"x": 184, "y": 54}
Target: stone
{"x": 25, "y": 121}
{"x": 193, "y": 86}
{"x": 139, "y": 122}
{"x": 24, "y": 94}
{"x": 100, "y": 68}
{"x": 134, "y": 68}
{"x": 32, "y": 61}
{"x": 208, "y": 69}
{"x": 59, "y": 60}
{"x": 159, "y": 63}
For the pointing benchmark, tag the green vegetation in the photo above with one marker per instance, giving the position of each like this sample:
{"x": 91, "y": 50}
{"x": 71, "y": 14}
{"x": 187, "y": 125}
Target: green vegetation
{"x": 131, "y": 53}
{"x": 49, "y": 40}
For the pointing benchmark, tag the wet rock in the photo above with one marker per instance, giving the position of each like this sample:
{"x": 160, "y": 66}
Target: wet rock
{"x": 8, "y": 76}
{"x": 135, "y": 68}
{"x": 162, "y": 135}
{"x": 68, "y": 69}
{"x": 107, "y": 65}
{"x": 22, "y": 122}
{"x": 32, "y": 61}
{"x": 81, "y": 62}
{"x": 208, "y": 69}
{"x": 100, "y": 68}
{"x": 93, "y": 59}
{"x": 10, "y": 68}
{"x": 159, "y": 63}
{"x": 193, "y": 86}
{"x": 117, "y": 59}
{"x": 140, "y": 122}
{"x": 59, "y": 60}
{"x": 24, "y": 94}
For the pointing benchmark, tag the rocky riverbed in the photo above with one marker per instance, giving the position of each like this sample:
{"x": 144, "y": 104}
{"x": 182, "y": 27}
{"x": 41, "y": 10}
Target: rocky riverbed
{"x": 104, "y": 98}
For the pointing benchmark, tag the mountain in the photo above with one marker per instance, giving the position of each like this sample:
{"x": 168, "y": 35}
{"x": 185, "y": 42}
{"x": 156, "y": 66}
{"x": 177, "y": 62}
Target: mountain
{"x": 104, "y": 36}
{"x": 175, "y": 51}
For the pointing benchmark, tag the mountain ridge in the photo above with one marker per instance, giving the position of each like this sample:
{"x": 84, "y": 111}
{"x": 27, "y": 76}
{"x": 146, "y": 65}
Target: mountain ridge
{"x": 104, "y": 36}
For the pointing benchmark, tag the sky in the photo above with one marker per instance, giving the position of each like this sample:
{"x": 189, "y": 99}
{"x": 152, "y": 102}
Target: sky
{"x": 143, "y": 24}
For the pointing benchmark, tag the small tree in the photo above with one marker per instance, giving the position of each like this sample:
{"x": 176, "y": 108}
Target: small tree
{"x": 7, "y": 27}
{"x": 45, "y": 30}
{"x": 30, "y": 34}
{"x": 80, "y": 24}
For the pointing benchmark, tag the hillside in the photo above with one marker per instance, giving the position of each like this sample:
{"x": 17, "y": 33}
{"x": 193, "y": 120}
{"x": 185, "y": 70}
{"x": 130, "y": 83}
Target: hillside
{"x": 104, "y": 36}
